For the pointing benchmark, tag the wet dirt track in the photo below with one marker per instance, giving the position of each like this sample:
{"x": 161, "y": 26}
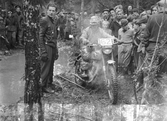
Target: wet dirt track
{"x": 11, "y": 82}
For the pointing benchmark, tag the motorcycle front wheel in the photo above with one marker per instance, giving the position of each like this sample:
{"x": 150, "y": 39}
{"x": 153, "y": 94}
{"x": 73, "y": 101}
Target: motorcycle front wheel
{"x": 113, "y": 85}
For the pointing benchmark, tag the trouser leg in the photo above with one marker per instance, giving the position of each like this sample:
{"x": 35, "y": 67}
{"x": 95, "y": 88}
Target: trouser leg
{"x": 14, "y": 38}
{"x": 46, "y": 67}
{"x": 20, "y": 37}
{"x": 50, "y": 81}
{"x": 9, "y": 37}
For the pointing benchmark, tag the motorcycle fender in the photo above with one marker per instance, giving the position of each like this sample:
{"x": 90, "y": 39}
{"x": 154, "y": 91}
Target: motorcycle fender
{"x": 111, "y": 62}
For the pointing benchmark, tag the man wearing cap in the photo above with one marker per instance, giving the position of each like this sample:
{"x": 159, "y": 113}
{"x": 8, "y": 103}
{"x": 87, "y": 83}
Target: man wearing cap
{"x": 48, "y": 48}
{"x": 139, "y": 26}
{"x": 154, "y": 37}
{"x": 105, "y": 15}
{"x": 115, "y": 25}
{"x": 125, "y": 35}
{"x": 112, "y": 15}
{"x": 138, "y": 50}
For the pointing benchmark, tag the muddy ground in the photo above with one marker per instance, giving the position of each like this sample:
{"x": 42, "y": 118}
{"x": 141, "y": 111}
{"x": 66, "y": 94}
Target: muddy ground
{"x": 75, "y": 103}
{"x": 72, "y": 93}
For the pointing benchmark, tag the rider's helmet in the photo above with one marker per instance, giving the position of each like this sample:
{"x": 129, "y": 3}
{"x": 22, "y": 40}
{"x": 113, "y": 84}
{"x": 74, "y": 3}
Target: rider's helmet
{"x": 94, "y": 20}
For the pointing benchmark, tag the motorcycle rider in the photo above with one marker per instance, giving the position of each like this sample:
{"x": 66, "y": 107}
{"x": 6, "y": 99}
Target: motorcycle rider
{"x": 91, "y": 35}
{"x": 94, "y": 32}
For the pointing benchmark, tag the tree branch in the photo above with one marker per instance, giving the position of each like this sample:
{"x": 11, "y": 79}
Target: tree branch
{"x": 102, "y": 4}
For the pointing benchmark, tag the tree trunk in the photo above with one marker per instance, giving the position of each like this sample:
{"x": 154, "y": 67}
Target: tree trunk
{"x": 137, "y": 4}
{"x": 134, "y": 3}
{"x": 93, "y": 2}
{"x": 82, "y": 12}
{"x": 33, "y": 92}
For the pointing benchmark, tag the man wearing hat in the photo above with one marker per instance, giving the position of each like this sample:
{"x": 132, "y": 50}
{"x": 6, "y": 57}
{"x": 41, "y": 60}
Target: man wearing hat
{"x": 138, "y": 50}
{"x": 105, "y": 14}
{"x": 112, "y": 15}
{"x": 125, "y": 35}
{"x": 154, "y": 37}
{"x": 115, "y": 25}
{"x": 139, "y": 26}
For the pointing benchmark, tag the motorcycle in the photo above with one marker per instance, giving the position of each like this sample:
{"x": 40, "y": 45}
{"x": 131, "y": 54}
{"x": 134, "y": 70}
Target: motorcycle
{"x": 96, "y": 62}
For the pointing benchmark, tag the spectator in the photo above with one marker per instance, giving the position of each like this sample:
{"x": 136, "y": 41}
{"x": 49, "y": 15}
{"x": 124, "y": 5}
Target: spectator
{"x": 125, "y": 35}
{"x": 155, "y": 35}
{"x": 135, "y": 14}
{"x": 48, "y": 48}
{"x": 130, "y": 10}
{"x": 148, "y": 12}
{"x": 20, "y": 19}
{"x": 105, "y": 15}
{"x": 139, "y": 27}
{"x": 4, "y": 44}
{"x": 143, "y": 14}
{"x": 115, "y": 25}
{"x": 11, "y": 25}
{"x": 105, "y": 25}
{"x": 112, "y": 15}
{"x": 154, "y": 10}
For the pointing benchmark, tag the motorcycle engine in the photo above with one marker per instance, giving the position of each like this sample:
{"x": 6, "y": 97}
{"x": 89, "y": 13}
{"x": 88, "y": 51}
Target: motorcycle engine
{"x": 96, "y": 55}
{"x": 85, "y": 65}
{"x": 86, "y": 54}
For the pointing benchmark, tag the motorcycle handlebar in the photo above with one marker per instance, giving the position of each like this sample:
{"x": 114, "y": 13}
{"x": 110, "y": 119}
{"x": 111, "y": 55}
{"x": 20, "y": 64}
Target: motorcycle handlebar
{"x": 95, "y": 45}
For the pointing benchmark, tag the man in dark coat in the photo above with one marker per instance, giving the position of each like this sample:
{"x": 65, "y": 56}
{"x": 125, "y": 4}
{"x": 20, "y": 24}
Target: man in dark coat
{"x": 155, "y": 34}
{"x": 18, "y": 15}
{"x": 48, "y": 47}
{"x": 11, "y": 25}
{"x": 115, "y": 25}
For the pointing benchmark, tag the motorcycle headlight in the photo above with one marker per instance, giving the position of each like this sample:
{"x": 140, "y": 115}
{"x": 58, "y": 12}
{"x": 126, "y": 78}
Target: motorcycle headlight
{"x": 107, "y": 51}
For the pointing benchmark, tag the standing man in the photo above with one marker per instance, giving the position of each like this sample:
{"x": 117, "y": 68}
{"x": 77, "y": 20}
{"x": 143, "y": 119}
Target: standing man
{"x": 115, "y": 25}
{"x": 48, "y": 47}
{"x": 10, "y": 25}
{"x": 154, "y": 38}
{"x": 20, "y": 19}
{"x": 125, "y": 35}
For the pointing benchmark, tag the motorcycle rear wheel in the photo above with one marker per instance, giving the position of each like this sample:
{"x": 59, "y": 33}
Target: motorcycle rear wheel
{"x": 113, "y": 85}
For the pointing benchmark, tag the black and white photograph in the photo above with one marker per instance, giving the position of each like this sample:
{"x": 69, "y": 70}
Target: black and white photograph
{"x": 83, "y": 60}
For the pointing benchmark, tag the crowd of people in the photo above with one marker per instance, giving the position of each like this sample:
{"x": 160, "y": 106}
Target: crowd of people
{"x": 11, "y": 28}
{"x": 141, "y": 36}
{"x": 137, "y": 32}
